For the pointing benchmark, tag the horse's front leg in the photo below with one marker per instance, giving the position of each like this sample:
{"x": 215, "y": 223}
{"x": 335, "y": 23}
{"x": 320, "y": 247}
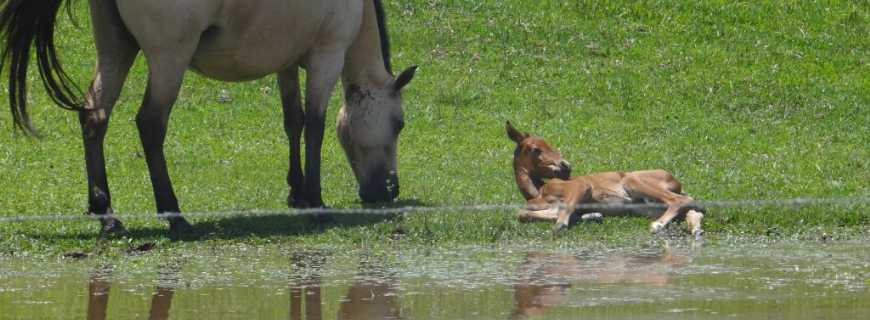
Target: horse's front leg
{"x": 116, "y": 51}
{"x": 294, "y": 121}
{"x": 323, "y": 71}
{"x": 166, "y": 72}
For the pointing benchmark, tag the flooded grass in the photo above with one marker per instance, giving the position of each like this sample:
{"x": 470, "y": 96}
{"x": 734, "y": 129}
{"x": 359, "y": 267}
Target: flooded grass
{"x": 656, "y": 279}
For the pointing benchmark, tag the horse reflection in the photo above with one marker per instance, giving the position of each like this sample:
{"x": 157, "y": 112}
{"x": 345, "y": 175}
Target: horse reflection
{"x": 99, "y": 285}
{"x": 373, "y": 294}
{"x": 548, "y": 276}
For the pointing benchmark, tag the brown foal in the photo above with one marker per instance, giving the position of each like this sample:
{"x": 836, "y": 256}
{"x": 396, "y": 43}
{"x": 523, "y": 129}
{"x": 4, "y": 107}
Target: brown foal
{"x": 560, "y": 196}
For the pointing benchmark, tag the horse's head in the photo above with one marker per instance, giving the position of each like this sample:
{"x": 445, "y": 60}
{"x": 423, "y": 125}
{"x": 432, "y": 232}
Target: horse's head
{"x": 536, "y": 157}
{"x": 368, "y": 127}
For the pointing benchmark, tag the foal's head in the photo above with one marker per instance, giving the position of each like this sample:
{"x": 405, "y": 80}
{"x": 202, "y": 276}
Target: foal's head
{"x": 534, "y": 156}
{"x": 368, "y": 128}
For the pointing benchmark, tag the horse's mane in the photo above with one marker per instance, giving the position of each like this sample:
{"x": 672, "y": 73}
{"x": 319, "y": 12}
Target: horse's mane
{"x": 382, "y": 31}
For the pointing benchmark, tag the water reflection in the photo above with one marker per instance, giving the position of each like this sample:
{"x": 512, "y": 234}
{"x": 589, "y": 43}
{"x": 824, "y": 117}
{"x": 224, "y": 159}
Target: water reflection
{"x": 546, "y": 277}
{"x": 751, "y": 280}
{"x": 373, "y": 294}
{"x": 99, "y": 286}
{"x": 306, "y": 286}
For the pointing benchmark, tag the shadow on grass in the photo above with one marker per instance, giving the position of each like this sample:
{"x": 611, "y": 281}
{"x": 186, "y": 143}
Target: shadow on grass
{"x": 238, "y": 227}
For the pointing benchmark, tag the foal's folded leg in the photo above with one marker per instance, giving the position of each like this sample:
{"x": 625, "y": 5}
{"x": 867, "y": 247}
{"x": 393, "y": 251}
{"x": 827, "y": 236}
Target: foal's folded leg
{"x": 538, "y": 210}
{"x": 530, "y": 215}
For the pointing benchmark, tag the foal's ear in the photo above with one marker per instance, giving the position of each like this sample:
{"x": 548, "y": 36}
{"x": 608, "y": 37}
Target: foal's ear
{"x": 404, "y": 78}
{"x": 515, "y": 134}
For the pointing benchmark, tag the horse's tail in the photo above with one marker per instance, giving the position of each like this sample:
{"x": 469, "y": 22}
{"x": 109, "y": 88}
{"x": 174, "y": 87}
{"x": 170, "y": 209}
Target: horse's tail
{"x": 25, "y": 24}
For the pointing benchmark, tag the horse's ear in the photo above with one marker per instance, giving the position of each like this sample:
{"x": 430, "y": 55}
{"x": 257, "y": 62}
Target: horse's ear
{"x": 515, "y": 134}
{"x": 404, "y": 78}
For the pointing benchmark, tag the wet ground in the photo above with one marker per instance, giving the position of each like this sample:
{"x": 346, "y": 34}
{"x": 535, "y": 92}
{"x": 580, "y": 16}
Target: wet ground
{"x": 659, "y": 280}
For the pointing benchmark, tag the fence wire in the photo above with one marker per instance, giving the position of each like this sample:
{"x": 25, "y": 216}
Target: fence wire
{"x": 470, "y": 208}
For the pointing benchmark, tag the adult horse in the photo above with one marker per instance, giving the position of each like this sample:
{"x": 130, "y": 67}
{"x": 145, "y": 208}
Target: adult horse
{"x": 229, "y": 40}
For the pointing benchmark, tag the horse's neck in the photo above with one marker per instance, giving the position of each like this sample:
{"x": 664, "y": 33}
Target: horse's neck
{"x": 364, "y": 62}
{"x": 529, "y": 185}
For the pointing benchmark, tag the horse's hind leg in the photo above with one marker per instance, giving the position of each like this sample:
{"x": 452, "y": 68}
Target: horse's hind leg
{"x": 165, "y": 74}
{"x": 294, "y": 121}
{"x": 116, "y": 51}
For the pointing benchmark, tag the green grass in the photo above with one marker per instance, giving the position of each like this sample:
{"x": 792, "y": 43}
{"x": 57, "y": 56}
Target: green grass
{"x": 741, "y": 100}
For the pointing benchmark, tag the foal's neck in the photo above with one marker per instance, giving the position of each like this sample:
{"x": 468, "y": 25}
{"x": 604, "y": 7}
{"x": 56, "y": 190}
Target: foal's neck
{"x": 529, "y": 184}
{"x": 364, "y": 63}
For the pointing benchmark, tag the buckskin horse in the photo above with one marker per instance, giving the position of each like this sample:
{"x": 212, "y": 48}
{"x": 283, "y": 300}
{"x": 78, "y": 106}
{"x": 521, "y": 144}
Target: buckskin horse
{"x": 228, "y": 40}
{"x": 618, "y": 192}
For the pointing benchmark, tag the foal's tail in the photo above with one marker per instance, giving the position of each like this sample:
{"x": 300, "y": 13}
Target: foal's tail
{"x": 25, "y": 24}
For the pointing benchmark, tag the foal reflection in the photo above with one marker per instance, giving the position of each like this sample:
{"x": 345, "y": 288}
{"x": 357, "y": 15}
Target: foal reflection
{"x": 99, "y": 285}
{"x": 548, "y": 276}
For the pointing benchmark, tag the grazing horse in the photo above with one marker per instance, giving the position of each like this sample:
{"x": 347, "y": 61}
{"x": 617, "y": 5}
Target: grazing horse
{"x": 229, "y": 40}
{"x": 557, "y": 198}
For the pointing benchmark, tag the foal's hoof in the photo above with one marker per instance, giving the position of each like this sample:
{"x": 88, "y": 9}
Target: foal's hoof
{"x": 592, "y": 217}
{"x": 656, "y": 227}
{"x": 559, "y": 227}
{"x": 698, "y": 234}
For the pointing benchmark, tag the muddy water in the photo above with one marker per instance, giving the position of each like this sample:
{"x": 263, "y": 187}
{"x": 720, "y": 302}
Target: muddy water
{"x": 716, "y": 280}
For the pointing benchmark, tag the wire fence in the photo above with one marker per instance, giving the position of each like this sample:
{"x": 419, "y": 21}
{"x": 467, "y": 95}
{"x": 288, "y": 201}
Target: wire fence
{"x": 470, "y": 208}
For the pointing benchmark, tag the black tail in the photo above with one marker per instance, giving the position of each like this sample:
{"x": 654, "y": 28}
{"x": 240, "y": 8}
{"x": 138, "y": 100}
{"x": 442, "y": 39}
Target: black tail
{"x": 25, "y": 24}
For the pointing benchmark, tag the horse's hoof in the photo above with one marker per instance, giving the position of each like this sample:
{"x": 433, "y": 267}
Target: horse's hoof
{"x": 698, "y": 234}
{"x": 316, "y": 203}
{"x": 656, "y": 227}
{"x": 321, "y": 218}
{"x": 111, "y": 227}
{"x": 178, "y": 226}
{"x": 297, "y": 201}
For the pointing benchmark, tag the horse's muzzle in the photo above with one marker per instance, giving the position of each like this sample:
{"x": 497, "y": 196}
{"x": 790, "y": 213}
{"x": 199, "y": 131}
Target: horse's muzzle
{"x": 382, "y": 187}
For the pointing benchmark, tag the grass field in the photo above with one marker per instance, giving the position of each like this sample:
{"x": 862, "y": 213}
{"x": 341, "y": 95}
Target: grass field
{"x": 741, "y": 100}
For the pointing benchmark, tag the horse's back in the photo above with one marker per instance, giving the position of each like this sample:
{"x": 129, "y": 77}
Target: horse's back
{"x": 240, "y": 40}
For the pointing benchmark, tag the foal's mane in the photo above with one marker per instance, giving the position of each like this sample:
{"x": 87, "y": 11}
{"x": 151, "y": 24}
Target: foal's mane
{"x": 382, "y": 31}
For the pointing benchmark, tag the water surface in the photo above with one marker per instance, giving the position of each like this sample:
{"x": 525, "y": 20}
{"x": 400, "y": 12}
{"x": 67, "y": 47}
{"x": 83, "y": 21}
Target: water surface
{"x": 716, "y": 280}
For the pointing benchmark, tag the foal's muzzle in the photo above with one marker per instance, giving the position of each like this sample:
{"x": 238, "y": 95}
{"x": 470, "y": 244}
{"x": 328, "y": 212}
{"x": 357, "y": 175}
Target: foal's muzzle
{"x": 381, "y": 187}
{"x": 563, "y": 171}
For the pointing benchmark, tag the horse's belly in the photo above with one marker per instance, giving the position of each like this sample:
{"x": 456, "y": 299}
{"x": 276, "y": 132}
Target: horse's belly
{"x": 226, "y": 56}
{"x": 237, "y": 65}
{"x": 254, "y": 38}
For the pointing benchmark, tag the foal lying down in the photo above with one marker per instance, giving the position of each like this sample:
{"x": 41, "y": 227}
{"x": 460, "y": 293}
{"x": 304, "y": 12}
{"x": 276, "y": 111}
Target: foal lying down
{"x": 561, "y": 196}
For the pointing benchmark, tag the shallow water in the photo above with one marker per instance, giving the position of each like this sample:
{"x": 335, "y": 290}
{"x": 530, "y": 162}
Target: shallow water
{"x": 716, "y": 280}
